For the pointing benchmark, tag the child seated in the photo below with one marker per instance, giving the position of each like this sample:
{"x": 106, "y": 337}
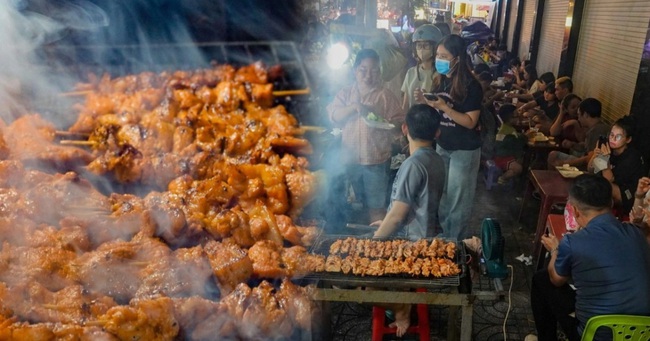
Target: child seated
{"x": 509, "y": 147}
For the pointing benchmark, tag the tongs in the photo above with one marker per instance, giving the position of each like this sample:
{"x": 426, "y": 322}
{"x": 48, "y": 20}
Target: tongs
{"x": 360, "y": 227}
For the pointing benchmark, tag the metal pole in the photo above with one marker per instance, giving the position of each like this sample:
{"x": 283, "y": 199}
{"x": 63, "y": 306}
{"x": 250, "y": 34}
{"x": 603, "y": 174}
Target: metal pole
{"x": 371, "y": 14}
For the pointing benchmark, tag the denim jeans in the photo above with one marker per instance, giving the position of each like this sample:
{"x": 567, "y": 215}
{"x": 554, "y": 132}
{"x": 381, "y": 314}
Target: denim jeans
{"x": 370, "y": 183}
{"x": 458, "y": 197}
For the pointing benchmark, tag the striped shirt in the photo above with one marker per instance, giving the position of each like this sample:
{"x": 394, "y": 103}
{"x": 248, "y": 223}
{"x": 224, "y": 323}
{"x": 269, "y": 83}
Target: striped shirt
{"x": 362, "y": 144}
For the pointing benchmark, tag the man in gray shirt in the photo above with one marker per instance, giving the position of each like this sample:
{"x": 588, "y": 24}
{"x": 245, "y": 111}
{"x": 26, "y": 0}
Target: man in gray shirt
{"x": 418, "y": 186}
{"x": 420, "y": 180}
{"x": 589, "y": 113}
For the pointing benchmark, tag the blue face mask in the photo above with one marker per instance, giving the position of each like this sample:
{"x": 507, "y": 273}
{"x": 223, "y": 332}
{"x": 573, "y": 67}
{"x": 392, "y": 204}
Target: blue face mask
{"x": 442, "y": 66}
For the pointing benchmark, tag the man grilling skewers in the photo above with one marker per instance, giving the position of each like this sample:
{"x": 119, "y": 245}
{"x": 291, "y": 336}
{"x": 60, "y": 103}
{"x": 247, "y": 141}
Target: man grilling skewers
{"x": 416, "y": 192}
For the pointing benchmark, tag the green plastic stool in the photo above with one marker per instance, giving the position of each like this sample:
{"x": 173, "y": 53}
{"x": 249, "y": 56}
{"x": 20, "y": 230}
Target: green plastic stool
{"x": 624, "y": 327}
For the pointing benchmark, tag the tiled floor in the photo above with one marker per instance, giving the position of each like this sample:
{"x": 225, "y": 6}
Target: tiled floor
{"x": 351, "y": 321}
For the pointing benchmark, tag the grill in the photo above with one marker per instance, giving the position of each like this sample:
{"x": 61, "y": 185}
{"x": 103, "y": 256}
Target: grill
{"x": 322, "y": 245}
{"x": 68, "y": 65}
{"x": 121, "y": 60}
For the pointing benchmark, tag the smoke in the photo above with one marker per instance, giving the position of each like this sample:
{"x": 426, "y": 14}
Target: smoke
{"x": 27, "y": 29}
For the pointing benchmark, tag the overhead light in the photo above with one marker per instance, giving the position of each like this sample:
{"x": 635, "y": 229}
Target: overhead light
{"x": 337, "y": 55}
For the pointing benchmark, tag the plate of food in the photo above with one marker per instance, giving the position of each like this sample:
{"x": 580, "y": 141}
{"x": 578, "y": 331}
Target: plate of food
{"x": 540, "y": 137}
{"x": 568, "y": 171}
{"x": 374, "y": 121}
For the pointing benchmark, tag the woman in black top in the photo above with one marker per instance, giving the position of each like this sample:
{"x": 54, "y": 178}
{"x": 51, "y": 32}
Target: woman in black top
{"x": 459, "y": 102}
{"x": 620, "y": 163}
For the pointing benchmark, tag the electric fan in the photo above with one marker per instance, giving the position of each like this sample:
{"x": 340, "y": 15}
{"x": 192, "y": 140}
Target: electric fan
{"x": 493, "y": 247}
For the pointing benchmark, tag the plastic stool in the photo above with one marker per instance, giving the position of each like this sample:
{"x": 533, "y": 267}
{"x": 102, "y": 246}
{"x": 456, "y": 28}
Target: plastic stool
{"x": 492, "y": 173}
{"x": 379, "y": 327}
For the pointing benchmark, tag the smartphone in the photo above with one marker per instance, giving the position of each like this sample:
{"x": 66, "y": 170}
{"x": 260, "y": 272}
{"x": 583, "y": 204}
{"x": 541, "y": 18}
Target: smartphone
{"x": 430, "y": 96}
{"x": 602, "y": 140}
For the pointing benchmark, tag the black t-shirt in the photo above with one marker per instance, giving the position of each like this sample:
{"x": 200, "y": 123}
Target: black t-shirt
{"x": 452, "y": 135}
{"x": 550, "y": 110}
{"x": 628, "y": 168}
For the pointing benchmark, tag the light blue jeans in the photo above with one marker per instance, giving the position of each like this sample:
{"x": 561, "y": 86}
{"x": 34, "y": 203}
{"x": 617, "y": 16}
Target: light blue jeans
{"x": 458, "y": 197}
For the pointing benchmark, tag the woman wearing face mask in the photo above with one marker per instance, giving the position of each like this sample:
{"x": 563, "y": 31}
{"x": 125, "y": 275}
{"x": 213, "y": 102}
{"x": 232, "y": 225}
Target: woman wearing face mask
{"x": 459, "y": 102}
{"x": 425, "y": 41}
{"x": 366, "y": 150}
{"x": 620, "y": 163}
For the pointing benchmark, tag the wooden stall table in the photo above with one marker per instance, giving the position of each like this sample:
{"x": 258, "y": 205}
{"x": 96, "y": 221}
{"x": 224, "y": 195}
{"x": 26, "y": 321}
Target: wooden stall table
{"x": 453, "y": 291}
{"x": 553, "y": 188}
{"x": 329, "y": 290}
{"x": 539, "y": 148}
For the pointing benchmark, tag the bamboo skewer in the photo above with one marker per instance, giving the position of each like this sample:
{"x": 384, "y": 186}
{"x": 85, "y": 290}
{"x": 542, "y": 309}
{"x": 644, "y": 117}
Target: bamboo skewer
{"x": 76, "y": 93}
{"x": 78, "y": 143}
{"x": 98, "y": 323}
{"x": 313, "y": 128}
{"x": 54, "y": 307}
{"x": 278, "y": 93}
{"x": 140, "y": 263}
{"x": 69, "y": 133}
{"x": 305, "y": 129}
{"x": 87, "y": 208}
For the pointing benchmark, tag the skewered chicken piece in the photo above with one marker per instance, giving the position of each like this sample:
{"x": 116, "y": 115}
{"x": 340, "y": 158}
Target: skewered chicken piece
{"x": 23, "y": 331}
{"x": 367, "y": 257}
{"x": 31, "y": 140}
{"x": 230, "y": 263}
{"x": 203, "y": 320}
{"x": 392, "y": 248}
{"x": 142, "y": 320}
{"x": 50, "y": 266}
{"x": 364, "y": 266}
{"x": 72, "y": 304}
{"x": 4, "y": 148}
{"x": 79, "y": 254}
{"x": 186, "y": 272}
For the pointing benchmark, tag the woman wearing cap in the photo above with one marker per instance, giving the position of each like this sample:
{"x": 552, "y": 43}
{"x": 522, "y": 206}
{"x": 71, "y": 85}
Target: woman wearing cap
{"x": 459, "y": 144}
{"x": 425, "y": 42}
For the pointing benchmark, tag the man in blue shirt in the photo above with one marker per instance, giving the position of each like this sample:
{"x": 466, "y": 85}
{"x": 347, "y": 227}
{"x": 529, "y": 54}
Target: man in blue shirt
{"x": 607, "y": 260}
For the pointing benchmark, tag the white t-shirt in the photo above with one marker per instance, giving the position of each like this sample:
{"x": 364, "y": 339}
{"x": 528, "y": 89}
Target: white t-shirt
{"x": 411, "y": 82}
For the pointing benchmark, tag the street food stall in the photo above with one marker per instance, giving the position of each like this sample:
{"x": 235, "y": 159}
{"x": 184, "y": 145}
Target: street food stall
{"x": 162, "y": 199}
{"x": 380, "y": 271}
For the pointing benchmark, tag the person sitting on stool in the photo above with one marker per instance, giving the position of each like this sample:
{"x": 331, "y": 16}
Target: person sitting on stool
{"x": 608, "y": 261}
{"x": 418, "y": 186}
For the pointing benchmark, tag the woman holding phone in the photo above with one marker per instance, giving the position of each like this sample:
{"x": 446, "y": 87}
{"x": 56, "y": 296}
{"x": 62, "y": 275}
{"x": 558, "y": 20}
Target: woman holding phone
{"x": 459, "y": 102}
{"x": 619, "y": 162}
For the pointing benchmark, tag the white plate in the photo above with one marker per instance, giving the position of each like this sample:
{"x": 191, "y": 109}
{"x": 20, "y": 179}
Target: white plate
{"x": 378, "y": 125}
{"x": 569, "y": 172}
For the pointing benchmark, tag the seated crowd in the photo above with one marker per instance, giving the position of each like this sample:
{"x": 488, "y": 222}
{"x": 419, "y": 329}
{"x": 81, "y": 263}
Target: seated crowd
{"x": 449, "y": 106}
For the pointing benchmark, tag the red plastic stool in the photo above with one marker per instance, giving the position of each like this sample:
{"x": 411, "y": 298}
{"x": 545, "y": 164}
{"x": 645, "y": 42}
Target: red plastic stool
{"x": 379, "y": 327}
